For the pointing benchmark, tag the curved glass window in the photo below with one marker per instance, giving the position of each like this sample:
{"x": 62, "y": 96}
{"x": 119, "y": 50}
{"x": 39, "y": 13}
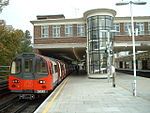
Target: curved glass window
{"x": 41, "y": 66}
{"x": 99, "y": 42}
{"x": 16, "y": 66}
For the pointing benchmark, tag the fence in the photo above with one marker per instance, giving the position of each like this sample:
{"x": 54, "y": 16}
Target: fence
{"x": 4, "y": 70}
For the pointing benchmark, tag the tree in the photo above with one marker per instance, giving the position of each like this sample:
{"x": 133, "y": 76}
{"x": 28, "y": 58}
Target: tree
{"x": 9, "y": 44}
{"x": 26, "y": 43}
{"x": 12, "y": 43}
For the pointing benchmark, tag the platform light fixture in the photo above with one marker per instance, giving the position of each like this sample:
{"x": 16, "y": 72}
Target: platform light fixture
{"x": 133, "y": 38}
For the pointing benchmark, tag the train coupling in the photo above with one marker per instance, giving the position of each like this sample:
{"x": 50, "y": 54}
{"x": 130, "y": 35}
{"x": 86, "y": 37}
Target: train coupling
{"x": 27, "y": 96}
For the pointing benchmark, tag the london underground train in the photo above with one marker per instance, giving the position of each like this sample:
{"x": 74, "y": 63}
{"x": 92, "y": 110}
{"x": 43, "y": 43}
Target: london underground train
{"x": 33, "y": 74}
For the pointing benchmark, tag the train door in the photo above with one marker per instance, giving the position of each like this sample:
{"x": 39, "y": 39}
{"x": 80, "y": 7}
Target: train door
{"x": 65, "y": 71}
{"x": 55, "y": 73}
{"x": 27, "y": 74}
{"x": 59, "y": 71}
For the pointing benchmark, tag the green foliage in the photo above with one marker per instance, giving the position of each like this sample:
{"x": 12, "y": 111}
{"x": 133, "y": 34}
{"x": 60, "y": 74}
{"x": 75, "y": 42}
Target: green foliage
{"x": 12, "y": 43}
{"x": 26, "y": 43}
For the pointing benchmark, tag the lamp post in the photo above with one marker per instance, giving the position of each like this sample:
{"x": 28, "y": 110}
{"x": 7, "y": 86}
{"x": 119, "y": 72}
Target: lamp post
{"x": 133, "y": 39}
{"x": 109, "y": 45}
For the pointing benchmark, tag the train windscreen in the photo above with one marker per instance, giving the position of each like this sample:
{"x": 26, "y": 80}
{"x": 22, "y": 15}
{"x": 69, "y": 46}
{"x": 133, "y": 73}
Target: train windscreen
{"x": 16, "y": 66}
{"x": 41, "y": 66}
{"x": 28, "y": 65}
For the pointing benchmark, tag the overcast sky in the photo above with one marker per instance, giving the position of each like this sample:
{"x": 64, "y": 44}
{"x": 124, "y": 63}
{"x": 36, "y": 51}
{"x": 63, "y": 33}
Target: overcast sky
{"x": 19, "y": 13}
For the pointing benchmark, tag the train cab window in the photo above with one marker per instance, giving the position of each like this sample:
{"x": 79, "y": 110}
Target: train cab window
{"x": 28, "y": 65}
{"x": 16, "y": 66}
{"x": 41, "y": 66}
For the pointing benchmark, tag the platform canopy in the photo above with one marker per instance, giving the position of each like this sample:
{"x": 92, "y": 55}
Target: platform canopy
{"x": 67, "y": 54}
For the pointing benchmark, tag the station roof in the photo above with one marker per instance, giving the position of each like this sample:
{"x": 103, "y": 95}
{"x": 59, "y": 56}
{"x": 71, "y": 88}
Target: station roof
{"x": 43, "y": 17}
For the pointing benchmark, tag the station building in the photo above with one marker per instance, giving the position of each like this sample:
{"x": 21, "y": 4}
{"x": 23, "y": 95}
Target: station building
{"x": 91, "y": 40}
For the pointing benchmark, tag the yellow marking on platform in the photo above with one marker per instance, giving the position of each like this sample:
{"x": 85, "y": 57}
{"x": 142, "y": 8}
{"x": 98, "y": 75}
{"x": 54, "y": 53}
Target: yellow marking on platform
{"x": 52, "y": 100}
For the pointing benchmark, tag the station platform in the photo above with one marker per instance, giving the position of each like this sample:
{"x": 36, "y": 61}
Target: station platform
{"x": 79, "y": 94}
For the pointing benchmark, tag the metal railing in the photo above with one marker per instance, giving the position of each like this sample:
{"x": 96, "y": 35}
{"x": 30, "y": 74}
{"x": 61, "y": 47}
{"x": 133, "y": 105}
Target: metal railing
{"x": 4, "y": 70}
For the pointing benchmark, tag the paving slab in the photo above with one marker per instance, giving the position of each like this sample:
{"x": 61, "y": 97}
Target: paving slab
{"x": 83, "y": 95}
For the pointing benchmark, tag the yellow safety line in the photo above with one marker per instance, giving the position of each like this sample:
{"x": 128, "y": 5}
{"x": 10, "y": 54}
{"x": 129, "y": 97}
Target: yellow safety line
{"x": 52, "y": 100}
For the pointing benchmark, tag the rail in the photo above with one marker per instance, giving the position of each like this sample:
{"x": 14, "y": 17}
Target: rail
{"x": 143, "y": 73}
{"x": 22, "y": 107}
{"x": 4, "y": 88}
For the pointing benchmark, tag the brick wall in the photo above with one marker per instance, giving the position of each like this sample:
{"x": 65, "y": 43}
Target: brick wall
{"x": 50, "y": 31}
{"x": 146, "y": 27}
{"x": 75, "y": 39}
{"x": 60, "y": 40}
{"x": 37, "y": 31}
{"x": 74, "y": 30}
{"x": 62, "y": 31}
{"x": 128, "y": 38}
{"x": 121, "y": 28}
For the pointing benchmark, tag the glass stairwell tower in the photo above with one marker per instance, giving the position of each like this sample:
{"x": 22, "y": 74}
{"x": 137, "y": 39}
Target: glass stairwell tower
{"x": 100, "y": 41}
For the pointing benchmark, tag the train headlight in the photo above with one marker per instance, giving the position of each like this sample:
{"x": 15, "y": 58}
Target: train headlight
{"x": 15, "y": 81}
{"x": 42, "y": 81}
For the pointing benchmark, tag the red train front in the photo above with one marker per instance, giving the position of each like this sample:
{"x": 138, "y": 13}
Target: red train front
{"x": 35, "y": 74}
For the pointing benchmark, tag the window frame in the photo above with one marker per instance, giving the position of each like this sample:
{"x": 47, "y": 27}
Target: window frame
{"x": 126, "y": 26}
{"x": 117, "y": 28}
{"x": 37, "y": 64}
{"x": 56, "y": 68}
{"x": 140, "y": 26}
{"x": 80, "y": 30}
{"x": 20, "y": 69}
{"x": 68, "y": 30}
{"x": 30, "y": 66}
{"x": 56, "y": 31}
{"x": 44, "y": 31}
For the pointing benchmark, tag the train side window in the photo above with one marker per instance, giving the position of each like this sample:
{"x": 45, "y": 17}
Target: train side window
{"x": 56, "y": 69}
{"x": 41, "y": 66}
{"x": 28, "y": 65}
{"x": 16, "y": 66}
{"x": 62, "y": 67}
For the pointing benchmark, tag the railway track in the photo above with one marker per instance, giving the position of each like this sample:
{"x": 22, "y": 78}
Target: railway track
{"x": 4, "y": 91}
{"x": 138, "y": 73}
{"x": 22, "y": 107}
{"x": 32, "y": 106}
{"x": 14, "y": 105}
{"x": 10, "y": 103}
{"x": 3, "y": 85}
